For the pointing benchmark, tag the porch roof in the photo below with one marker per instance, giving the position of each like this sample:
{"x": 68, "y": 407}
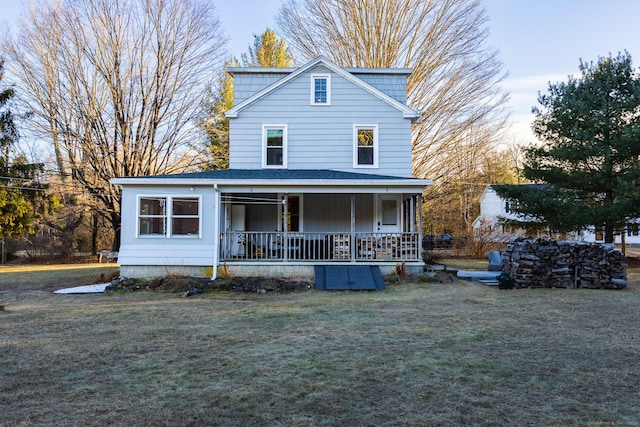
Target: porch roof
{"x": 279, "y": 179}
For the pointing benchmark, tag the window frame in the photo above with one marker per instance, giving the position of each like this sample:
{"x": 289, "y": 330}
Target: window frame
{"x": 376, "y": 143}
{"x": 168, "y": 216}
{"x": 140, "y": 216}
{"x": 312, "y": 94}
{"x": 174, "y": 216}
{"x": 265, "y": 148}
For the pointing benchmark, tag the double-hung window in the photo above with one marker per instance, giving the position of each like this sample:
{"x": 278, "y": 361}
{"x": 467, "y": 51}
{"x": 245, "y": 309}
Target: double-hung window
{"x": 169, "y": 216}
{"x": 365, "y": 146}
{"x": 321, "y": 89}
{"x": 153, "y": 216}
{"x": 274, "y": 143}
{"x": 185, "y": 216}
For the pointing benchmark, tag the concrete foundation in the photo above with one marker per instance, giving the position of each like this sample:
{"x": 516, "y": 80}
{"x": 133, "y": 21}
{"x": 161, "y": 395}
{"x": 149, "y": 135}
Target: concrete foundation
{"x": 253, "y": 269}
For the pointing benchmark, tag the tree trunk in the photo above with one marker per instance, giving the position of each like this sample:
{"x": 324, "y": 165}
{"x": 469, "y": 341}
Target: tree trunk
{"x": 116, "y": 219}
{"x": 94, "y": 233}
{"x": 608, "y": 234}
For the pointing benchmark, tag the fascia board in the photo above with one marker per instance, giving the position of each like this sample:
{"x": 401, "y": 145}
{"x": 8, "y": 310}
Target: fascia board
{"x": 333, "y": 185}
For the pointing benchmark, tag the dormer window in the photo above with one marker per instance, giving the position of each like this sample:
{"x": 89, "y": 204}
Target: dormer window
{"x": 320, "y": 89}
{"x": 274, "y": 146}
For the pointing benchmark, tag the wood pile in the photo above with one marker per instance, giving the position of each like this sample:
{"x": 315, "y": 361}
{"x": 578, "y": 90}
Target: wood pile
{"x": 546, "y": 263}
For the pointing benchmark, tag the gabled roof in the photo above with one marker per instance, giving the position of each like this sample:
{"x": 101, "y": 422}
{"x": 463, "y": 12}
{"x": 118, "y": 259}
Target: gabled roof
{"x": 407, "y": 112}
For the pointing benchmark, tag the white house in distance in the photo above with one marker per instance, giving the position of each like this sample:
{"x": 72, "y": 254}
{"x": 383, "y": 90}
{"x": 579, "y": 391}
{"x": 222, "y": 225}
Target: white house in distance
{"x": 320, "y": 174}
{"x": 493, "y": 206}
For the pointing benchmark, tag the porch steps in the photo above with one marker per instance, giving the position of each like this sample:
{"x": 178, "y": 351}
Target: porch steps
{"x": 349, "y": 277}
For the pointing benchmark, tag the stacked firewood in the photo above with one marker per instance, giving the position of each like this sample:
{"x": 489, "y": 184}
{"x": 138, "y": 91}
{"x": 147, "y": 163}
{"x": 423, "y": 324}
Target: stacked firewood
{"x": 547, "y": 263}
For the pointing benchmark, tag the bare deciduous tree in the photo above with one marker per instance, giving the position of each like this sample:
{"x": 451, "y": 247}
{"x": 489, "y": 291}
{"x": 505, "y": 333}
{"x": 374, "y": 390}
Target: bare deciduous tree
{"x": 455, "y": 80}
{"x": 115, "y": 85}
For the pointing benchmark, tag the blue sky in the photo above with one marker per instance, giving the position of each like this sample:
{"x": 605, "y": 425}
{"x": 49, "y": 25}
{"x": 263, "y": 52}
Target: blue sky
{"x": 539, "y": 40}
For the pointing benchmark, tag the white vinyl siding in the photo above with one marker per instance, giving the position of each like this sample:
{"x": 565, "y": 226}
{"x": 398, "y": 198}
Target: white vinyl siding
{"x": 322, "y": 138}
{"x": 162, "y": 249}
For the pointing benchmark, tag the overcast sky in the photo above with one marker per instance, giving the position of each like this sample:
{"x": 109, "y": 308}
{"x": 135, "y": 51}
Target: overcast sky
{"x": 538, "y": 40}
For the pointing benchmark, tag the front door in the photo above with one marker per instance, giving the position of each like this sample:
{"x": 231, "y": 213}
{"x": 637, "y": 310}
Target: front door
{"x": 388, "y": 214}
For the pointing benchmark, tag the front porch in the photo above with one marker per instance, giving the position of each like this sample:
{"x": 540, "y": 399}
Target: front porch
{"x": 311, "y": 229}
{"x": 319, "y": 247}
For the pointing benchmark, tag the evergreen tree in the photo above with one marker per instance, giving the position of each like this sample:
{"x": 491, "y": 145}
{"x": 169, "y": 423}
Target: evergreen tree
{"x": 267, "y": 51}
{"x": 19, "y": 191}
{"x": 590, "y": 157}
{"x": 215, "y": 125}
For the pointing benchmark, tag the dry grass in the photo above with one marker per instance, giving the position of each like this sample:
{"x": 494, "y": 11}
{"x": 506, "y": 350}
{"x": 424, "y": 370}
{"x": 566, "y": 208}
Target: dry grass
{"x": 418, "y": 354}
{"x": 30, "y": 277}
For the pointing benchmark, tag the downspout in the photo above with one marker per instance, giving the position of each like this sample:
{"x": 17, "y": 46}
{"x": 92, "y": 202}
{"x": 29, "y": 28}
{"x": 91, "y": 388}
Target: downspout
{"x": 420, "y": 201}
{"x": 216, "y": 232}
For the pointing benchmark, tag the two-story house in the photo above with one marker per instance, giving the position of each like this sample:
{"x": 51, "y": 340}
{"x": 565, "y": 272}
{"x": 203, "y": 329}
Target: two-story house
{"x": 320, "y": 174}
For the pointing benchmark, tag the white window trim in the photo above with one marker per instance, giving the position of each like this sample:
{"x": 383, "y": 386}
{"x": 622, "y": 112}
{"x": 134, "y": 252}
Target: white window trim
{"x": 285, "y": 138}
{"x": 168, "y": 216}
{"x": 357, "y": 127}
{"x": 312, "y": 97}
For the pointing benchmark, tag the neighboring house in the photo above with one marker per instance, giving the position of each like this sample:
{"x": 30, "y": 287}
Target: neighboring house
{"x": 320, "y": 174}
{"x": 492, "y": 207}
{"x": 487, "y": 225}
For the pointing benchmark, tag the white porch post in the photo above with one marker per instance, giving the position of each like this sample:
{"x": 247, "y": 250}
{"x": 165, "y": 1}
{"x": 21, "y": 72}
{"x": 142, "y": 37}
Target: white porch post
{"x": 216, "y": 231}
{"x": 412, "y": 214}
{"x": 419, "y": 225}
{"x": 285, "y": 225}
{"x": 353, "y": 228}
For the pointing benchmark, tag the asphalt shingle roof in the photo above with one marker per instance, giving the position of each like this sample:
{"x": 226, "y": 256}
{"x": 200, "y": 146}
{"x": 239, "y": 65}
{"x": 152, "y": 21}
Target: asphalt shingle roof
{"x": 280, "y": 174}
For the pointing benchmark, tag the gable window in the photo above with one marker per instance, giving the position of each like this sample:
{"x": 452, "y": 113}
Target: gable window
{"x": 365, "y": 146}
{"x": 320, "y": 89}
{"x": 274, "y": 146}
{"x": 169, "y": 216}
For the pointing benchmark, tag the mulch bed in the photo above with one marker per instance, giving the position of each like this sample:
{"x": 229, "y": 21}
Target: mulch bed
{"x": 189, "y": 286}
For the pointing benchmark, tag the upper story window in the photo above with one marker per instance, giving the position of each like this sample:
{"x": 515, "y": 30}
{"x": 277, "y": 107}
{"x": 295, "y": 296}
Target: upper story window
{"x": 169, "y": 217}
{"x": 274, "y": 143}
{"x": 365, "y": 146}
{"x": 321, "y": 89}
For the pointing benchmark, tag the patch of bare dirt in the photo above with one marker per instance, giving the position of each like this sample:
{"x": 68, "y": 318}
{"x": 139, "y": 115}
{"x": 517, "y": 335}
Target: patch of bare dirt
{"x": 198, "y": 285}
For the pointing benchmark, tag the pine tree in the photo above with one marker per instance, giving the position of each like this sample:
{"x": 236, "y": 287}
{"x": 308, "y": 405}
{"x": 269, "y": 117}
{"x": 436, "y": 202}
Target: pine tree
{"x": 267, "y": 51}
{"x": 589, "y": 161}
{"x": 19, "y": 190}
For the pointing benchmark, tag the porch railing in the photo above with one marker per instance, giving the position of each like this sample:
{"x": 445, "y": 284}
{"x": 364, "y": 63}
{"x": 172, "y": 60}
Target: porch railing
{"x": 325, "y": 247}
